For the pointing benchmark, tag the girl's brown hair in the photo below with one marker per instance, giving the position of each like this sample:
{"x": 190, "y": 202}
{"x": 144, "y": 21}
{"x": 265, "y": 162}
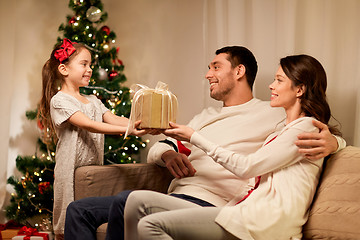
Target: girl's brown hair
{"x": 51, "y": 83}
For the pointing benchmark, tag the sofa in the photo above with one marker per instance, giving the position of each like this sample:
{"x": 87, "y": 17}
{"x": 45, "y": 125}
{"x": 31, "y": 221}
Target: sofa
{"x": 334, "y": 213}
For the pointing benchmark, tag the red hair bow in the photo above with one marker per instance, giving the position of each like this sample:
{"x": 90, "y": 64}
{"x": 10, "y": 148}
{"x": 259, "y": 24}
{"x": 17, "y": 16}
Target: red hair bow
{"x": 65, "y": 51}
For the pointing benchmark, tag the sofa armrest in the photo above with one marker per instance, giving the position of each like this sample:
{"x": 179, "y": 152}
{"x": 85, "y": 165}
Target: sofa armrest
{"x": 108, "y": 180}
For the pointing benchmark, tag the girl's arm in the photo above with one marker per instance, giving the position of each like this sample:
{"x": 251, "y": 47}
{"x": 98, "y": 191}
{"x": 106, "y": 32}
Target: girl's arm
{"x": 82, "y": 121}
{"x": 109, "y": 117}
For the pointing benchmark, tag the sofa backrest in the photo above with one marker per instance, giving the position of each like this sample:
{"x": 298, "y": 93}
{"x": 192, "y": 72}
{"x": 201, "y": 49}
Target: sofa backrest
{"x": 335, "y": 212}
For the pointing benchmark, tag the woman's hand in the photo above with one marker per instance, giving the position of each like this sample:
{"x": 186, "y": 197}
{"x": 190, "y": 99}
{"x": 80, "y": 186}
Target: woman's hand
{"x": 179, "y": 132}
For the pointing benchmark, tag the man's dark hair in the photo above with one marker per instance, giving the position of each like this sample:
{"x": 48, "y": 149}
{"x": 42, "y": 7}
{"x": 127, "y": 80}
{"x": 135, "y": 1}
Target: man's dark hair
{"x": 241, "y": 55}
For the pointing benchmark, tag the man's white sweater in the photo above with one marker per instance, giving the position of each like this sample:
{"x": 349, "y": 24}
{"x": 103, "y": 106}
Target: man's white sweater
{"x": 242, "y": 129}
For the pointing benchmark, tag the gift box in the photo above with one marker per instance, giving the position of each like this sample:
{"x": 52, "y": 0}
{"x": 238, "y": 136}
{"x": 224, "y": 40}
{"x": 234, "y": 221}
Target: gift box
{"x": 8, "y": 234}
{"x": 22, "y": 237}
{"x": 26, "y": 233}
{"x": 154, "y": 107}
{"x": 9, "y": 230}
{"x": 155, "y": 110}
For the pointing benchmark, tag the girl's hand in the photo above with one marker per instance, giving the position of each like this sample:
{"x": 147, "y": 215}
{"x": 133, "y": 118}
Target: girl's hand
{"x": 179, "y": 132}
{"x": 138, "y": 132}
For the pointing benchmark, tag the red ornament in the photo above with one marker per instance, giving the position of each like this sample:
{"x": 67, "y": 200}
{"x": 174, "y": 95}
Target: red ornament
{"x": 43, "y": 187}
{"x": 113, "y": 74}
{"x": 106, "y": 29}
{"x": 118, "y": 61}
{"x": 72, "y": 20}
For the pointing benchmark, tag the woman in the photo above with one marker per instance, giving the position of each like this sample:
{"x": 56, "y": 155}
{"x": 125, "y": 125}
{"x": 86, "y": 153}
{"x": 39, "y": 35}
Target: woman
{"x": 285, "y": 181}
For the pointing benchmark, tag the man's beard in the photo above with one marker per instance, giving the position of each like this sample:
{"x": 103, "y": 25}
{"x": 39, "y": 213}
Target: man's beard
{"x": 219, "y": 95}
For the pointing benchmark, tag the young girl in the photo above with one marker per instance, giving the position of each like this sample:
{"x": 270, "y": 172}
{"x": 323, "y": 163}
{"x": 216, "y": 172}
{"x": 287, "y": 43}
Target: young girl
{"x": 79, "y": 121}
{"x": 284, "y": 180}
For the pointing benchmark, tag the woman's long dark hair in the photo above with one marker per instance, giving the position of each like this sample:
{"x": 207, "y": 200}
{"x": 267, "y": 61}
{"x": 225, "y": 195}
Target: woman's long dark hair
{"x": 304, "y": 70}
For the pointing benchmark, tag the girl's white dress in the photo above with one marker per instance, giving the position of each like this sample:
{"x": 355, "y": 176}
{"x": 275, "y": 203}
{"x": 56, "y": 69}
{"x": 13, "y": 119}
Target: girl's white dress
{"x": 76, "y": 147}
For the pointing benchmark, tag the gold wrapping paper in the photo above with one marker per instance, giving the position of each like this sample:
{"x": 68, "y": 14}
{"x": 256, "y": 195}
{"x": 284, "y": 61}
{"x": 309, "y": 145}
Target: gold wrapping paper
{"x": 154, "y": 107}
{"x": 8, "y": 234}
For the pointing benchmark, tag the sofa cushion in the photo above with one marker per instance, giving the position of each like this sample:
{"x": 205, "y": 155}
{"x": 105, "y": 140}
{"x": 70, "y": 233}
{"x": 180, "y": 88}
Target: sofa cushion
{"x": 335, "y": 213}
{"x": 109, "y": 180}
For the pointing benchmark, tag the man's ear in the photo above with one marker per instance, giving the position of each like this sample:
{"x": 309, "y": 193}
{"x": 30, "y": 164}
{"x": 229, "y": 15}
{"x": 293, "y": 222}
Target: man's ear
{"x": 240, "y": 70}
{"x": 300, "y": 91}
{"x": 62, "y": 69}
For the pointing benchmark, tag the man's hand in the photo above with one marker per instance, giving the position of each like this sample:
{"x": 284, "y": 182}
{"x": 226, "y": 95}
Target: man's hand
{"x": 317, "y": 145}
{"x": 178, "y": 164}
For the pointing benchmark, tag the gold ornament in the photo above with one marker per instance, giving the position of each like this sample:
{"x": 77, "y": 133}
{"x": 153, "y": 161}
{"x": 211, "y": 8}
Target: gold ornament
{"x": 106, "y": 47}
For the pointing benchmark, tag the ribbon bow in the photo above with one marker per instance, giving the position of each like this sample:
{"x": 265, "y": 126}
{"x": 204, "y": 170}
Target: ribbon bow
{"x": 65, "y": 51}
{"x": 28, "y": 232}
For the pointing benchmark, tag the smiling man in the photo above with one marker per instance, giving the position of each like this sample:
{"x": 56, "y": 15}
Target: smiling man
{"x": 223, "y": 75}
{"x": 241, "y": 125}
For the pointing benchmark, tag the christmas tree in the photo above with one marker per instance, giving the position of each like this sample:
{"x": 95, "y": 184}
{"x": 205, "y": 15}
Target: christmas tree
{"x": 33, "y": 191}
{"x": 32, "y": 202}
